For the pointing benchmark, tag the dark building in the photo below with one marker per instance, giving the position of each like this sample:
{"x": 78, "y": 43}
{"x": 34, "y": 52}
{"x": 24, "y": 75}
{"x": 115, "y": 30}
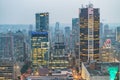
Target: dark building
{"x": 89, "y": 33}
{"x": 67, "y": 39}
{"x": 58, "y": 58}
{"x": 42, "y": 21}
{"x": 118, "y": 34}
{"x": 75, "y": 35}
{"x": 19, "y": 48}
{"x": 101, "y": 35}
{"x": 6, "y": 46}
{"x": 109, "y": 33}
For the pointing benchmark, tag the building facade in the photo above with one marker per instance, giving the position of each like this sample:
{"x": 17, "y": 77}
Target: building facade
{"x": 6, "y": 69}
{"x": 75, "y": 36}
{"x": 42, "y": 21}
{"x": 109, "y": 33}
{"x": 89, "y": 33}
{"x": 6, "y": 46}
{"x": 58, "y": 59}
{"x": 118, "y": 34}
{"x": 67, "y": 39}
{"x": 100, "y": 71}
{"x": 19, "y": 48}
{"x": 101, "y": 35}
{"x": 40, "y": 47}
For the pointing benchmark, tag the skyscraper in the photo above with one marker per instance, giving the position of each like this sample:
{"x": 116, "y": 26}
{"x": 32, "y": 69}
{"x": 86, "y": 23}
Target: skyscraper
{"x": 67, "y": 39}
{"x": 42, "y": 21}
{"x": 101, "y": 34}
{"x": 40, "y": 46}
{"x": 40, "y": 42}
{"x": 75, "y": 35}
{"x": 19, "y": 47}
{"x": 58, "y": 59}
{"x": 118, "y": 34}
{"x": 6, "y": 46}
{"x": 89, "y": 33}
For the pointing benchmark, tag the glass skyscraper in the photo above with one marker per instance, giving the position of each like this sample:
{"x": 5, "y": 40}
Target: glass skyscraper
{"x": 40, "y": 42}
{"x": 39, "y": 45}
{"x": 42, "y": 21}
{"x": 89, "y": 33}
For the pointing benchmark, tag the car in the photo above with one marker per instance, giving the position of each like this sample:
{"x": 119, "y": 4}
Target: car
{"x": 70, "y": 77}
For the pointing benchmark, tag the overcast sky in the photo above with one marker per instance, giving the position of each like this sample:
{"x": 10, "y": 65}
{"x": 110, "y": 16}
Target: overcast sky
{"x": 23, "y": 11}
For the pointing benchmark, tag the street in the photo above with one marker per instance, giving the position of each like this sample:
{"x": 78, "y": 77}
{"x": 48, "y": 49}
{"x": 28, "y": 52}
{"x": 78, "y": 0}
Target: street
{"x": 47, "y": 78}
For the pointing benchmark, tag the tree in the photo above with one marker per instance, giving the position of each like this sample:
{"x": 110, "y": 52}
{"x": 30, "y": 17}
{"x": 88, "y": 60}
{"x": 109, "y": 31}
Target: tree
{"x": 25, "y": 67}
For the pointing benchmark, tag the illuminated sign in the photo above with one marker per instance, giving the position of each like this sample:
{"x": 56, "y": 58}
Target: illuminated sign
{"x": 112, "y": 71}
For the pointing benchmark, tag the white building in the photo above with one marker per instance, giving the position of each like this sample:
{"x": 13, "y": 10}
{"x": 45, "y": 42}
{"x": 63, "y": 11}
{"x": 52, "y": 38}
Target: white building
{"x": 97, "y": 71}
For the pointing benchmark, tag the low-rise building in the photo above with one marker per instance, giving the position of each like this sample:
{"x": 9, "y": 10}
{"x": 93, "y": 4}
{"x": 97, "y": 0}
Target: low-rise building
{"x": 6, "y": 69}
{"x": 98, "y": 71}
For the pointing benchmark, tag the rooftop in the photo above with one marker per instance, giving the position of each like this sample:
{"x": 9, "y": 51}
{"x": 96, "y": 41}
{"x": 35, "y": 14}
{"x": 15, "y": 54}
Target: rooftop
{"x": 100, "y": 68}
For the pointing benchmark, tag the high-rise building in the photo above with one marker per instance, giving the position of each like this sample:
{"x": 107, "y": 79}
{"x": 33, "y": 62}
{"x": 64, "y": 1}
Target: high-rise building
{"x": 42, "y": 21}
{"x": 40, "y": 42}
{"x": 19, "y": 47}
{"x": 6, "y": 46}
{"x": 109, "y": 33}
{"x": 75, "y": 35}
{"x": 101, "y": 34}
{"x": 118, "y": 34}
{"x": 89, "y": 33}
{"x": 58, "y": 59}
{"x": 40, "y": 46}
{"x": 67, "y": 39}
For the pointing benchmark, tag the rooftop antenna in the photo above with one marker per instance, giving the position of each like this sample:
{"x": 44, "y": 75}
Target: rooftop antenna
{"x": 90, "y": 4}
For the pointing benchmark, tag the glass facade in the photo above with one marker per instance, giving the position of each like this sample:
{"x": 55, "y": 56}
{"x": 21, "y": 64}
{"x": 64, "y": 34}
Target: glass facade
{"x": 118, "y": 34}
{"x": 89, "y": 34}
{"x": 40, "y": 47}
{"x": 6, "y": 46}
{"x": 75, "y": 37}
{"x": 58, "y": 59}
{"x": 42, "y": 21}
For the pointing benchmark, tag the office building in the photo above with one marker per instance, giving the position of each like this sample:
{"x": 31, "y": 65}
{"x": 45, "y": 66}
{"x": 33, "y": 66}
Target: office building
{"x": 19, "y": 46}
{"x": 42, "y": 22}
{"x": 101, "y": 35}
{"x": 40, "y": 42}
{"x": 6, "y": 69}
{"x": 118, "y": 34}
{"x": 109, "y": 33}
{"x": 58, "y": 59}
{"x": 67, "y": 39}
{"x": 40, "y": 48}
{"x": 89, "y": 33}
{"x": 6, "y": 46}
{"x": 75, "y": 35}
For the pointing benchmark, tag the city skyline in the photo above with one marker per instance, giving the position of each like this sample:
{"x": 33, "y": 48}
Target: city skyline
{"x": 23, "y": 11}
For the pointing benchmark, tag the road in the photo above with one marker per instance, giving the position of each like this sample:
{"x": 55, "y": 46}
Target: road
{"x": 47, "y": 78}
